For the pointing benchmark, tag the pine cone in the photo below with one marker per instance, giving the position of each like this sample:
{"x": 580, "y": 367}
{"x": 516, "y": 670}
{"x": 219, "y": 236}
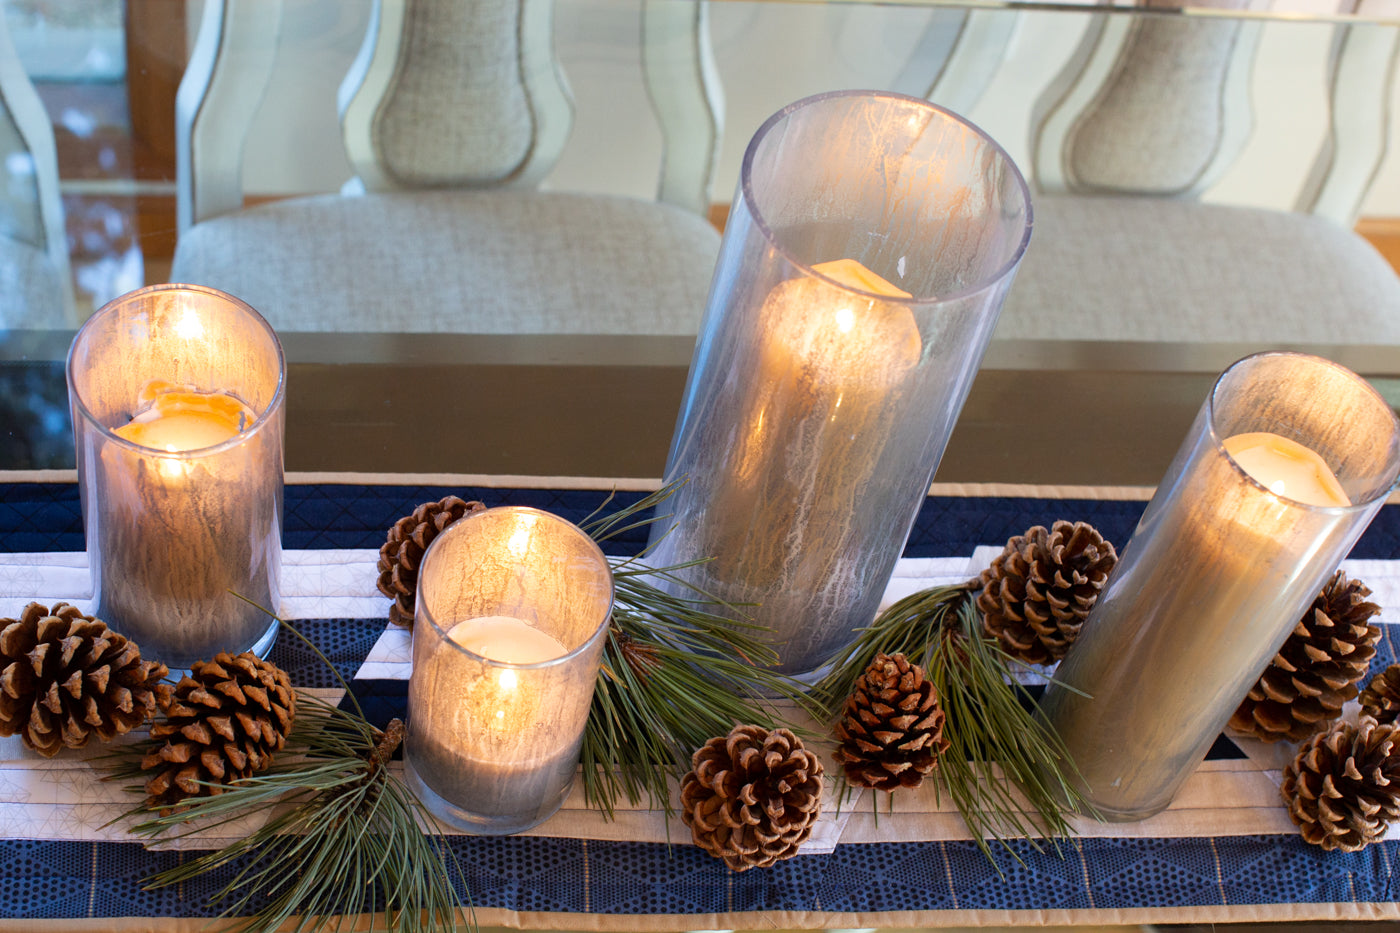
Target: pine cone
{"x": 1317, "y": 669}
{"x": 222, "y": 725}
{"x": 65, "y": 677}
{"x": 752, "y": 797}
{"x": 403, "y": 551}
{"x": 1381, "y": 698}
{"x": 1343, "y": 788}
{"x": 891, "y": 732}
{"x": 1037, "y": 593}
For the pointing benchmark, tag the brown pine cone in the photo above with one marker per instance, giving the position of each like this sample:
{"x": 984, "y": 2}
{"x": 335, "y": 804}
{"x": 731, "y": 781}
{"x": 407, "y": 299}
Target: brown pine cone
{"x": 1037, "y": 593}
{"x": 65, "y": 677}
{"x": 224, "y": 722}
{"x": 752, "y": 796}
{"x": 1343, "y": 788}
{"x": 1317, "y": 669}
{"x": 1381, "y": 698}
{"x": 403, "y": 551}
{"x": 891, "y": 731}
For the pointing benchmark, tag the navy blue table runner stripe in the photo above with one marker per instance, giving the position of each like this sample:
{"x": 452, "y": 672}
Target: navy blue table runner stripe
{"x": 57, "y": 879}
{"x": 48, "y": 879}
{"x": 46, "y": 517}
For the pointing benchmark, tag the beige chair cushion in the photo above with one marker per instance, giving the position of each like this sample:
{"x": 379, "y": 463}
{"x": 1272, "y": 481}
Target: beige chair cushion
{"x": 1130, "y": 268}
{"x": 31, "y": 289}
{"x": 487, "y": 262}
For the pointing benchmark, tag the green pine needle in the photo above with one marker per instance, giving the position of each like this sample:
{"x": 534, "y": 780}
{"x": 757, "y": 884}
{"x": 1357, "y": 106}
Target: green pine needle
{"x": 677, "y": 671}
{"x": 346, "y": 836}
{"x": 986, "y": 725}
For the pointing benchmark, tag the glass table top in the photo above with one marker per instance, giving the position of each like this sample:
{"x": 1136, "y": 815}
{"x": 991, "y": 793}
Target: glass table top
{"x": 1055, "y": 402}
{"x": 1040, "y": 412}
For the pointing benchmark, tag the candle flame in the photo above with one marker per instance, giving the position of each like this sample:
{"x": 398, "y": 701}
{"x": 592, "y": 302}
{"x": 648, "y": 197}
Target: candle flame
{"x": 508, "y": 681}
{"x": 519, "y": 543}
{"x": 1278, "y": 488}
{"x": 189, "y": 325}
{"x": 845, "y": 320}
{"x": 172, "y": 467}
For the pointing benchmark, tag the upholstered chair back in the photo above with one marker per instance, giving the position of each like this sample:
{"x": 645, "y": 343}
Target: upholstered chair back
{"x": 1147, "y": 105}
{"x": 453, "y": 94}
{"x": 36, "y": 288}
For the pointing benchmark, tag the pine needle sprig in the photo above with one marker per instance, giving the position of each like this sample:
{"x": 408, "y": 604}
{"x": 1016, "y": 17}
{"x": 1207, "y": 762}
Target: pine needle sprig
{"x": 674, "y": 675}
{"x": 987, "y": 725}
{"x": 677, "y": 670}
{"x": 345, "y": 836}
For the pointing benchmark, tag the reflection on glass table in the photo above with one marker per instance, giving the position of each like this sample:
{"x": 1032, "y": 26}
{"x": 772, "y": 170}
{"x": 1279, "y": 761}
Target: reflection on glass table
{"x": 1136, "y": 128}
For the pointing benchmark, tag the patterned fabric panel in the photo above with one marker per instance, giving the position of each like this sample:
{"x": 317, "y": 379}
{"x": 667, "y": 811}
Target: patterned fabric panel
{"x": 54, "y": 877}
{"x": 45, "y": 879}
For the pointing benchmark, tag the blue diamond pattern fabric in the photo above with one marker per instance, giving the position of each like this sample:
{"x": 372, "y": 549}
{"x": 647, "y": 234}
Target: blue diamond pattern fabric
{"x": 46, "y": 879}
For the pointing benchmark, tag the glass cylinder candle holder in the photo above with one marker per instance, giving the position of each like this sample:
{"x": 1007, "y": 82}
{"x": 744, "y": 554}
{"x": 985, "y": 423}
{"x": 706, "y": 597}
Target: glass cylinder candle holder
{"x": 1287, "y": 462}
{"x": 512, "y": 613}
{"x": 870, "y": 245}
{"x": 177, "y": 397}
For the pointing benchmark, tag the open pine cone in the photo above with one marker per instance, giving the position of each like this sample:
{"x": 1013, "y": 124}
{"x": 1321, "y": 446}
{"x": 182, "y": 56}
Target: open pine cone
{"x": 403, "y": 551}
{"x": 1381, "y": 698}
{"x": 224, "y": 722}
{"x": 891, "y": 731}
{"x": 1037, "y": 593}
{"x": 752, "y": 796}
{"x": 1317, "y": 669}
{"x": 1343, "y": 788}
{"x": 65, "y": 677}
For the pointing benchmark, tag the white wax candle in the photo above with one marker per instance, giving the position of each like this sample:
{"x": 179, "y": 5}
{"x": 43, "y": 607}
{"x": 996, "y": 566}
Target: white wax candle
{"x": 846, "y": 348}
{"x": 176, "y": 418}
{"x": 1287, "y": 468}
{"x": 506, "y": 639}
{"x": 853, "y": 274}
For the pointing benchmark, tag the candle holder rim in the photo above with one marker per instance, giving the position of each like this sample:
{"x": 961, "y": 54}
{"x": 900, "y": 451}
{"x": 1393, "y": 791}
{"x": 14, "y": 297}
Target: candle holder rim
{"x": 1218, "y": 442}
{"x": 987, "y": 282}
{"x": 567, "y": 656}
{"x": 198, "y": 453}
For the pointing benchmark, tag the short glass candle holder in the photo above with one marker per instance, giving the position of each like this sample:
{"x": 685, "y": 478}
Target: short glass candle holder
{"x": 178, "y": 418}
{"x": 1285, "y": 466}
{"x": 871, "y": 242}
{"x": 512, "y": 613}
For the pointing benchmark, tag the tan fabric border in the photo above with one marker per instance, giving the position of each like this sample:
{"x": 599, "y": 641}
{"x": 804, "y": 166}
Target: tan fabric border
{"x": 38, "y": 476}
{"x": 1141, "y": 493}
{"x": 790, "y": 920}
{"x": 633, "y": 484}
{"x": 814, "y": 920}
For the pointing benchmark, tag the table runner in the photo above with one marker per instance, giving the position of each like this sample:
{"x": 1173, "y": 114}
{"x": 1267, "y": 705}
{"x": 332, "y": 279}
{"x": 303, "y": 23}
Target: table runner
{"x": 1224, "y": 851}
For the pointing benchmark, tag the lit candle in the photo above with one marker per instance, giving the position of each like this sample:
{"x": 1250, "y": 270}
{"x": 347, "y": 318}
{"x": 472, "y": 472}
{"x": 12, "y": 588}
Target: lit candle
{"x": 177, "y": 399}
{"x": 1237, "y": 540}
{"x": 1287, "y": 468}
{"x": 817, "y": 423}
{"x": 508, "y": 632}
{"x": 176, "y": 418}
{"x": 869, "y": 246}
{"x": 505, "y": 638}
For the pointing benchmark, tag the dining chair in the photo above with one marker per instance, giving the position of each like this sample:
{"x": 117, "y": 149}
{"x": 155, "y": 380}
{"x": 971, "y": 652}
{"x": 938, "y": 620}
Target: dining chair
{"x": 36, "y": 288}
{"x": 1149, "y": 111}
{"x": 451, "y": 115}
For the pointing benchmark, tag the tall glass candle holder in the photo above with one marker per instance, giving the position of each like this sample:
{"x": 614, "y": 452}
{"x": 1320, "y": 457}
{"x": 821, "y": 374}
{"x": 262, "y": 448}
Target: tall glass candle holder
{"x": 1284, "y": 467}
{"x": 177, "y": 396}
{"x": 512, "y": 612}
{"x": 870, "y": 245}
